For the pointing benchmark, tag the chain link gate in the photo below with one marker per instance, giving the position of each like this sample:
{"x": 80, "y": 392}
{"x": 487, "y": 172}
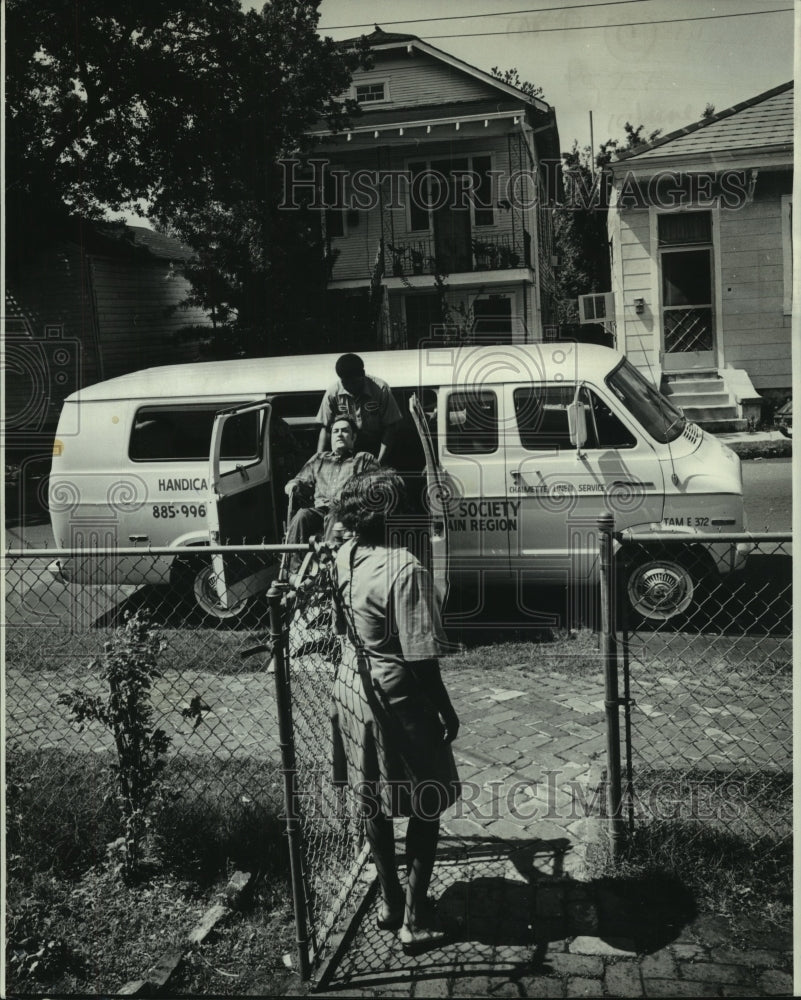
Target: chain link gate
{"x": 327, "y": 847}
{"x": 705, "y": 668}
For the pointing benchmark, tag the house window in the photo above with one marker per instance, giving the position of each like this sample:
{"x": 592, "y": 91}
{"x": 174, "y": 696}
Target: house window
{"x": 683, "y": 228}
{"x": 787, "y": 252}
{"x": 492, "y": 317}
{"x": 483, "y": 214}
{"x": 333, "y": 197}
{"x": 437, "y": 184}
{"x": 419, "y": 197}
{"x": 423, "y": 318}
{"x": 371, "y": 93}
{"x": 685, "y": 252}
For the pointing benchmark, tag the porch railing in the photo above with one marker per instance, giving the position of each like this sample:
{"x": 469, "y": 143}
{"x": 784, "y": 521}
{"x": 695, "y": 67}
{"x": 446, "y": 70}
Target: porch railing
{"x": 504, "y": 251}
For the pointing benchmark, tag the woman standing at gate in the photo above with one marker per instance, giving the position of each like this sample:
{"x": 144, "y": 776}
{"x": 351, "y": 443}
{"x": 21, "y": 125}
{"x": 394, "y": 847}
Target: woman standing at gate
{"x": 393, "y": 720}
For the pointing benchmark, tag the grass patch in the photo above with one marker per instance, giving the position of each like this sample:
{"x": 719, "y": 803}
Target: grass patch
{"x": 565, "y": 652}
{"x": 725, "y": 836}
{"x": 218, "y": 812}
{"x": 93, "y": 935}
{"x": 74, "y": 926}
{"x": 245, "y": 955}
{"x": 63, "y": 647}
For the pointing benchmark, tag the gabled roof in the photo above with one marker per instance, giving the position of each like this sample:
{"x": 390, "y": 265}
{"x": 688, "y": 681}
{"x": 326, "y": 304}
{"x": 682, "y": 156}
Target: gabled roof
{"x": 382, "y": 40}
{"x": 157, "y": 244}
{"x": 763, "y": 123}
{"x": 506, "y": 100}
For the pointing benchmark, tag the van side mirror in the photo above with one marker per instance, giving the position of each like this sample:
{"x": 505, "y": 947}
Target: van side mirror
{"x": 577, "y": 424}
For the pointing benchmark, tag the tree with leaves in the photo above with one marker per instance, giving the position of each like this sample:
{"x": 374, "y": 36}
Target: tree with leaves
{"x": 579, "y": 214}
{"x": 184, "y": 107}
{"x": 513, "y": 79}
{"x": 580, "y": 231}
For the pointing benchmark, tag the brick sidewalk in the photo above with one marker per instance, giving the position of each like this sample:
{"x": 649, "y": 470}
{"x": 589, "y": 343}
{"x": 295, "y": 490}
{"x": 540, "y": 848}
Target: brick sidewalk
{"x": 511, "y": 877}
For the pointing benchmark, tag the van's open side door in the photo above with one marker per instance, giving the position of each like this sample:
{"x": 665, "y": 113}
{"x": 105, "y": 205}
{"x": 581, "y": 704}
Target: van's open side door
{"x": 241, "y": 508}
{"x": 438, "y": 495}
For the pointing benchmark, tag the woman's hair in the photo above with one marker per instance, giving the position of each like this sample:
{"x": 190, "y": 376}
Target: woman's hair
{"x": 367, "y": 503}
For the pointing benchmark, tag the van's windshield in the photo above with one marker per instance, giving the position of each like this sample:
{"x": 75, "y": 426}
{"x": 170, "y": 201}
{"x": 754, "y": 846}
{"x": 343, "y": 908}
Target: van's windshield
{"x": 651, "y": 409}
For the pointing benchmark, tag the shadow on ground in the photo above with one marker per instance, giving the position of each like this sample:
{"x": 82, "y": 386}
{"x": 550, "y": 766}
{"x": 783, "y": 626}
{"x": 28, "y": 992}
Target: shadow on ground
{"x": 510, "y": 907}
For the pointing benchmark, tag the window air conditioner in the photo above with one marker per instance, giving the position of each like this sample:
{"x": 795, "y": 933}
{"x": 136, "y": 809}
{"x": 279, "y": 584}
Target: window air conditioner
{"x": 596, "y": 308}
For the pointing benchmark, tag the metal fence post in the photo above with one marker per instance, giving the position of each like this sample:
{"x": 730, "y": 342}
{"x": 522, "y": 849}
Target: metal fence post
{"x": 289, "y": 770}
{"x": 606, "y": 527}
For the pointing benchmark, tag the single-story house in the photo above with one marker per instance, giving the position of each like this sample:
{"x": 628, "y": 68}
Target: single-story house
{"x": 701, "y": 242}
{"x": 85, "y": 303}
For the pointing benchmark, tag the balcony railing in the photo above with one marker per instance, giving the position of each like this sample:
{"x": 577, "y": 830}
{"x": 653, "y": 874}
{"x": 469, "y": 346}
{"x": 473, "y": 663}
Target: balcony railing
{"x": 406, "y": 257}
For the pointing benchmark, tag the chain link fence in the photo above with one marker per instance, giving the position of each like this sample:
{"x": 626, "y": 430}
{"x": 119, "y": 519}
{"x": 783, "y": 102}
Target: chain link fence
{"x": 244, "y": 696}
{"x": 215, "y": 698}
{"x": 706, "y": 683}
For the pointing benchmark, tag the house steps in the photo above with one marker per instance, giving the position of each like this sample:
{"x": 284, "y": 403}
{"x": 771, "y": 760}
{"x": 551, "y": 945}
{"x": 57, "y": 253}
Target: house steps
{"x": 713, "y": 401}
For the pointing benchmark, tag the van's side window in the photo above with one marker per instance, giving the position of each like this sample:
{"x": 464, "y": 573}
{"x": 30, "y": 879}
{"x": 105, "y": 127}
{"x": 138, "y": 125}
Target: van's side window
{"x": 170, "y": 433}
{"x": 541, "y": 413}
{"x": 472, "y": 427}
{"x": 605, "y": 426}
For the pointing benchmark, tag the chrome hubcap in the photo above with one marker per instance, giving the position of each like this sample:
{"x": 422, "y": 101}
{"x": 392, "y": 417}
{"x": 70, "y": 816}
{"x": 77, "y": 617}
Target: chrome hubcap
{"x": 660, "y": 590}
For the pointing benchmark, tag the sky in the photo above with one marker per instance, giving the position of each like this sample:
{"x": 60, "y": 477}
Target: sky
{"x": 592, "y": 56}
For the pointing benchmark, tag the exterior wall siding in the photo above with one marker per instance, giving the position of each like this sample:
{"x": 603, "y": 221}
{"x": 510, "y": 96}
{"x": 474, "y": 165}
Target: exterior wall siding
{"x": 756, "y": 333}
{"x": 633, "y": 278}
{"x": 138, "y": 315}
{"x": 48, "y": 303}
{"x": 419, "y": 79}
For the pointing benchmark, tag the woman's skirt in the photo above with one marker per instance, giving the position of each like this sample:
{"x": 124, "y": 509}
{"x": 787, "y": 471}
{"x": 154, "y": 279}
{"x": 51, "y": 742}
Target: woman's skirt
{"x": 390, "y": 750}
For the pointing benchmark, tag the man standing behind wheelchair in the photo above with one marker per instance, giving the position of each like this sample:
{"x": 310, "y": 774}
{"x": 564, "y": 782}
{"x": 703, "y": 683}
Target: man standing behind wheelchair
{"x": 369, "y": 403}
{"x": 321, "y": 480}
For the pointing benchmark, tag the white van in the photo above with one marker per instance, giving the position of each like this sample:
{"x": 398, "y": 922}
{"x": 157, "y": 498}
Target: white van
{"x": 511, "y": 454}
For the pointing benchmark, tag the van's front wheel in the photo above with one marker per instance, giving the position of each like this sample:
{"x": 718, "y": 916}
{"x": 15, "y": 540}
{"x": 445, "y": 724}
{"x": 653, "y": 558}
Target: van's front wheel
{"x": 660, "y": 588}
{"x": 194, "y": 581}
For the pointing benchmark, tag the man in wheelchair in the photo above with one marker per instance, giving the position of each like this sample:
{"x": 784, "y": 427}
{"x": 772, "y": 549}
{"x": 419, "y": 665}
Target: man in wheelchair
{"x": 320, "y": 482}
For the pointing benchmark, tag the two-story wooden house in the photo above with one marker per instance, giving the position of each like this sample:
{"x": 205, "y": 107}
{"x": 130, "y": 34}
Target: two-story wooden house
{"x": 438, "y": 221}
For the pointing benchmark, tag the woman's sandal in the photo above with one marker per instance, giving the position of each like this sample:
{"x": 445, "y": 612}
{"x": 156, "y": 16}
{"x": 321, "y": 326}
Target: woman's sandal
{"x": 388, "y": 919}
{"x": 392, "y": 923}
{"x": 423, "y": 939}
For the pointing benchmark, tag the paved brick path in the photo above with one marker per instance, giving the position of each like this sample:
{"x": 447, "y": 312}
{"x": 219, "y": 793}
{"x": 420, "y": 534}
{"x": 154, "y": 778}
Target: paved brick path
{"x": 512, "y": 879}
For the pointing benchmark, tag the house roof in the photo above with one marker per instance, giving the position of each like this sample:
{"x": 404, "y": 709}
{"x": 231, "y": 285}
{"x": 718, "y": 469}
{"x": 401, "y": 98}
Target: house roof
{"x": 371, "y": 118}
{"x": 379, "y": 39}
{"x": 509, "y": 99}
{"x": 159, "y": 244}
{"x": 763, "y": 123}
{"x": 142, "y": 240}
